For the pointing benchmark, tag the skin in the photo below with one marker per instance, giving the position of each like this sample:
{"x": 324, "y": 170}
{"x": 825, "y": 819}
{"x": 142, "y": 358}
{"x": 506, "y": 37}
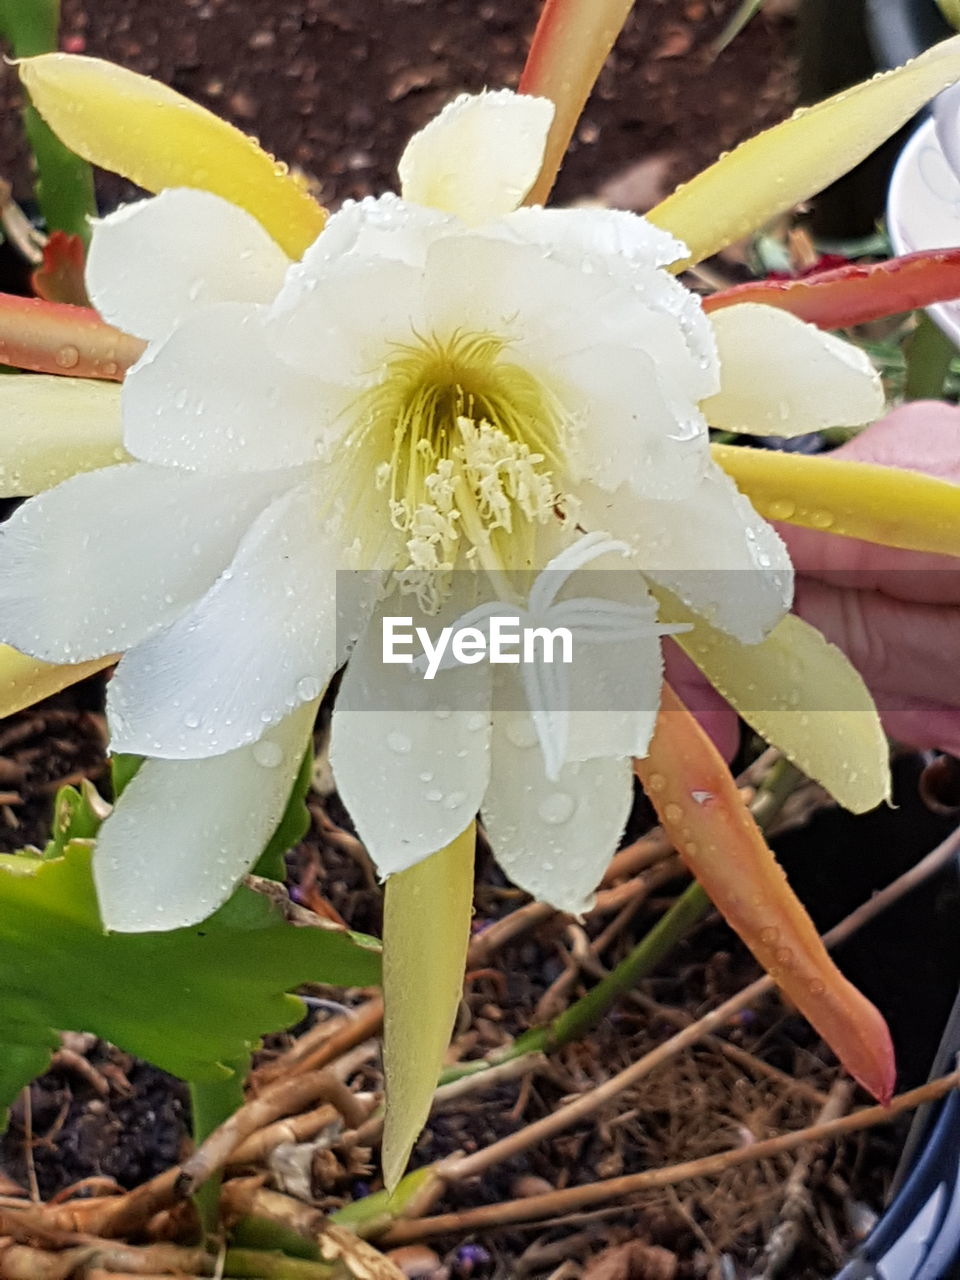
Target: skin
{"x": 896, "y": 614}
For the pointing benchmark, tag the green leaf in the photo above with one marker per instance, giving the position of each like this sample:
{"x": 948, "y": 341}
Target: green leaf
{"x": 191, "y": 1001}
{"x": 291, "y": 828}
{"x": 64, "y": 185}
{"x": 123, "y": 769}
{"x": 76, "y": 816}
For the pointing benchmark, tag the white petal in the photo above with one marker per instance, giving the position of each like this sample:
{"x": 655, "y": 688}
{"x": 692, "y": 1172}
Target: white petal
{"x": 479, "y": 157}
{"x": 410, "y": 756}
{"x": 630, "y": 428}
{"x": 51, "y": 428}
{"x": 711, "y": 548}
{"x": 214, "y": 397}
{"x": 339, "y": 325}
{"x": 608, "y": 233}
{"x": 377, "y": 227}
{"x": 781, "y": 376}
{"x": 185, "y": 832}
{"x": 153, "y": 262}
{"x": 106, "y": 558}
{"x": 614, "y": 684}
{"x": 259, "y": 643}
{"x": 553, "y": 839}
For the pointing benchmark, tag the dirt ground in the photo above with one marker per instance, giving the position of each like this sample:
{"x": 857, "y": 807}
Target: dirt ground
{"x": 336, "y": 87}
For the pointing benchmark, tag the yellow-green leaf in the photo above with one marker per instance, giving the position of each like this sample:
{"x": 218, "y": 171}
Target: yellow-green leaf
{"x": 887, "y": 505}
{"x": 157, "y": 138}
{"x": 52, "y": 428}
{"x": 24, "y": 681}
{"x": 570, "y": 45}
{"x": 426, "y": 928}
{"x": 780, "y": 167}
{"x": 801, "y": 694}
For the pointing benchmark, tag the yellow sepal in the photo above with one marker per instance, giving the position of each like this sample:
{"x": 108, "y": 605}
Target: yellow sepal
{"x": 426, "y": 929}
{"x": 24, "y": 681}
{"x": 52, "y": 428}
{"x": 157, "y": 138}
{"x": 887, "y": 505}
{"x": 801, "y": 694}
{"x": 780, "y": 167}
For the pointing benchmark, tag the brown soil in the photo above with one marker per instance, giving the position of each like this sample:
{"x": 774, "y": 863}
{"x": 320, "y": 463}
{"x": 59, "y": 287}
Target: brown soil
{"x": 337, "y": 86}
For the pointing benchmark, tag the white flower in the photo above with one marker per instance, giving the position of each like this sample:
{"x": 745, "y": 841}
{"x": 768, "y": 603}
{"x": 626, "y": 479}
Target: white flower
{"x": 446, "y": 382}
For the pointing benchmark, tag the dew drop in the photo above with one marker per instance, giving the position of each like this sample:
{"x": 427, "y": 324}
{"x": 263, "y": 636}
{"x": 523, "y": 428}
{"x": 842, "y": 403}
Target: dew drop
{"x": 426, "y": 776}
{"x": 454, "y": 800}
{"x": 656, "y": 782}
{"x": 557, "y": 808}
{"x": 191, "y": 720}
{"x": 522, "y": 733}
{"x": 434, "y": 796}
{"x": 769, "y": 936}
{"x": 268, "y": 754}
{"x": 821, "y": 519}
{"x": 782, "y": 509}
{"x": 399, "y": 742}
{"x": 816, "y": 987}
{"x": 308, "y": 688}
{"x": 673, "y": 813}
{"x": 67, "y": 357}
{"x": 784, "y": 956}
{"x": 476, "y": 721}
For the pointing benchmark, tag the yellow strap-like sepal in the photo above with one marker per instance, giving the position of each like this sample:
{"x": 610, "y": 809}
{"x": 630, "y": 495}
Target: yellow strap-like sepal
{"x": 777, "y": 169}
{"x": 154, "y": 136}
{"x": 887, "y": 505}
{"x": 426, "y": 929}
{"x": 800, "y": 693}
{"x": 24, "y": 681}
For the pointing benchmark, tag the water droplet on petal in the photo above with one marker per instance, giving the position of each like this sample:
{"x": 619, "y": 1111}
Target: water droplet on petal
{"x": 454, "y": 800}
{"x": 522, "y": 733}
{"x": 769, "y": 936}
{"x": 656, "y": 782}
{"x": 308, "y": 688}
{"x": 557, "y": 808}
{"x": 673, "y": 813}
{"x": 191, "y": 720}
{"x": 67, "y": 357}
{"x": 399, "y": 742}
{"x": 268, "y": 754}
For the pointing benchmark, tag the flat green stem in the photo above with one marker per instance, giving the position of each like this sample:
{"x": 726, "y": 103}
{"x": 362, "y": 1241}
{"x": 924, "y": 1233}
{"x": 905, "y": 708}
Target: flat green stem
{"x": 258, "y": 1265}
{"x": 210, "y": 1105}
{"x": 64, "y": 182}
{"x": 929, "y": 353}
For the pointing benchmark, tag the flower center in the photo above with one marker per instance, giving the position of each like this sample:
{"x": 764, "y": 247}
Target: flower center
{"x": 470, "y": 445}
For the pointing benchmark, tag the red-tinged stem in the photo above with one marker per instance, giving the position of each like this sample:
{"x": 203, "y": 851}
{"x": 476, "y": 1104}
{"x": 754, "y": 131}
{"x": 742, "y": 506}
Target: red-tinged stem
{"x": 856, "y": 293}
{"x": 54, "y": 337}
{"x": 704, "y": 815}
{"x": 570, "y": 45}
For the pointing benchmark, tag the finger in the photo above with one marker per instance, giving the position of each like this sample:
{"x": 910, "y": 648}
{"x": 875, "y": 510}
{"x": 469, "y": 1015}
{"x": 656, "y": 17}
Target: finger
{"x": 909, "y": 652}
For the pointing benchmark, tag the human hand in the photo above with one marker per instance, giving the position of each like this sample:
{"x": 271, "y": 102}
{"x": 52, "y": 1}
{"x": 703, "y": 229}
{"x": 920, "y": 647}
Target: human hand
{"x": 896, "y": 614}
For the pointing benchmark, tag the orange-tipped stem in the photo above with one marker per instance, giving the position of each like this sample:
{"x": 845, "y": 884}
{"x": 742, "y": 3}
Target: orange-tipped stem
{"x": 704, "y": 815}
{"x": 857, "y": 293}
{"x": 570, "y": 45}
{"x": 54, "y": 337}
